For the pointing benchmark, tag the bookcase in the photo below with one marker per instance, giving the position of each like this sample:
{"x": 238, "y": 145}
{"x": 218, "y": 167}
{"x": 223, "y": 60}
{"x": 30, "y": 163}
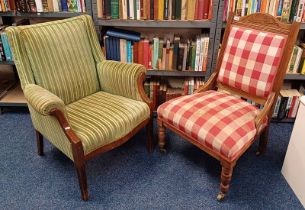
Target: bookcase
{"x": 12, "y": 96}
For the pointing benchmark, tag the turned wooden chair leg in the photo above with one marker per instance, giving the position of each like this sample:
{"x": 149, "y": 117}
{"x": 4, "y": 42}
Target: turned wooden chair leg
{"x": 80, "y": 166}
{"x": 263, "y": 141}
{"x": 161, "y": 136}
{"x": 226, "y": 176}
{"x": 149, "y": 130}
{"x": 39, "y": 141}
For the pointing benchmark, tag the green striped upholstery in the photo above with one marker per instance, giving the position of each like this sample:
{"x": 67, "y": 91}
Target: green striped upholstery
{"x": 120, "y": 78}
{"x": 42, "y": 100}
{"x": 60, "y": 65}
{"x": 61, "y": 54}
{"x": 102, "y": 118}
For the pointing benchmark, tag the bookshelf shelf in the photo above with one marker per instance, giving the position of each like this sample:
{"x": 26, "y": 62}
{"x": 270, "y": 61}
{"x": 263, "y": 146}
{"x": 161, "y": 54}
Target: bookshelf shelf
{"x": 295, "y": 77}
{"x": 171, "y": 73}
{"x": 155, "y": 23}
{"x": 41, "y": 14}
{"x": 13, "y": 98}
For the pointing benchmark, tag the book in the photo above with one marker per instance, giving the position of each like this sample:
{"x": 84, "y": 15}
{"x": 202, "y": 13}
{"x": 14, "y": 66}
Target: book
{"x": 161, "y": 9}
{"x": 191, "y": 4}
{"x": 124, "y": 34}
{"x": 178, "y": 9}
{"x": 183, "y": 9}
{"x": 114, "y": 11}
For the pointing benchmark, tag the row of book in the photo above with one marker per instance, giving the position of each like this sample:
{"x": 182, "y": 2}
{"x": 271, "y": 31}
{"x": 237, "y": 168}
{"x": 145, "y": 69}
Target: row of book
{"x": 158, "y": 53}
{"x": 286, "y": 10}
{"x": 43, "y": 5}
{"x": 287, "y": 104}
{"x": 5, "y": 50}
{"x": 162, "y": 91}
{"x": 155, "y": 9}
{"x": 297, "y": 60}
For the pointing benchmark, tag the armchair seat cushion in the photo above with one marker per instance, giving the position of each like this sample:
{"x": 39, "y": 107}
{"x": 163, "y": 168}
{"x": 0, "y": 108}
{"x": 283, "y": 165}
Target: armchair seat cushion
{"x": 219, "y": 121}
{"x": 102, "y": 118}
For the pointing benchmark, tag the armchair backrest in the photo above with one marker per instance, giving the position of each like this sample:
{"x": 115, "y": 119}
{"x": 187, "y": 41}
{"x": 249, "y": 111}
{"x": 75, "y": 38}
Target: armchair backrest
{"x": 254, "y": 55}
{"x": 60, "y": 56}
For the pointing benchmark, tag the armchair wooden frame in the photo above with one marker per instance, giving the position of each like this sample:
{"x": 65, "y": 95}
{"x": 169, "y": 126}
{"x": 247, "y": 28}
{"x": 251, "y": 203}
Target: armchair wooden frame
{"x": 258, "y": 21}
{"x": 79, "y": 157}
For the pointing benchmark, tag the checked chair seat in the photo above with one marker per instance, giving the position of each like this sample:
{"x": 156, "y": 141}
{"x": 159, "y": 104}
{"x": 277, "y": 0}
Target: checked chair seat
{"x": 218, "y": 120}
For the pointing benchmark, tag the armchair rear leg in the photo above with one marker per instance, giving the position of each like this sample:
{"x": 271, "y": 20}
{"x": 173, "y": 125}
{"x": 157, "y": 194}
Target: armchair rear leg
{"x": 226, "y": 176}
{"x": 161, "y": 136}
{"x": 39, "y": 141}
{"x": 263, "y": 141}
{"x": 80, "y": 166}
{"x": 149, "y": 130}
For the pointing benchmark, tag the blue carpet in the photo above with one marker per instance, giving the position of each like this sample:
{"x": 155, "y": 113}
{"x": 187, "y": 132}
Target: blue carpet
{"x": 130, "y": 178}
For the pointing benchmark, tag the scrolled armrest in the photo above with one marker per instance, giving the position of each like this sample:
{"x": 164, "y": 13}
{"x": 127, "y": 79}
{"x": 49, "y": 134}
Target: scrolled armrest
{"x": 123, "y": 79}
{"x": 42, "y": 100}
{"x": 209, "y": 85}
{"x": 265, "y": 111}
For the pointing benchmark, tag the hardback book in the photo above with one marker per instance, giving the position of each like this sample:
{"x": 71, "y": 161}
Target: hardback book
{"x": 285, "y": 10}
{"x": 191, "y": 4}
{"x": 107, "y": 46}
{"x": 161, "y": 9}
{"x": 120, "y": 9}
{"x": 183, "y": 9}
{"x": 99, "y": 5}
{"x": 197, "y": 55}
{"x": 31, "y": 5}
{"x": 51, "y": 9}
{"x": 293, "y": 9}
{"x": 114, "y": 11}
{"x": 64, "y": 5}
{"x": 180, "y": 57}
{"x": 206, "y": 9}
{"x": 123, "y": 50}
{"x": 152, "y": 10}
{"x": 131, "y": 9}
{"x": 178, "y": 10}
{"x": 124, "y": 34}
{"x": 300, "y": 11}
{"x": 72, "y": 6}
{"x": 137, "y": 9}
{"x": 174, "y": 9}
{"x": 57, "y": 6}
{"x": 107, "y": 9}
{"x": 124, "y": 10}
{"x": 140, "y": 52}
{"x": 175, "y": 51}
{"x": 155, "y": 54}
{"x": 6, "y": 47}
{"x": 146, "y": 9}
{"x": 142, "y": 11}
{"x": 200, "y": 9}
{"x": 170, "y": 9}
{"x": 156, "y": 9}
{"x": 129, "y": 52}
{"x": 135, "y": 52}
{"x": 166, "y": 8}
{"x": 145, "y": 53}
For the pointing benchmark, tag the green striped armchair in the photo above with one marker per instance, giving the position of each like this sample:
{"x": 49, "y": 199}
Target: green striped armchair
{"x": 83, "y": 104}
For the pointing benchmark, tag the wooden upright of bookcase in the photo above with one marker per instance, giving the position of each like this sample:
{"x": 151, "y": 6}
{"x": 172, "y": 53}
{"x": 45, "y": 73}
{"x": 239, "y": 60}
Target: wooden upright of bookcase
{"x": 153, "y": 24}
{"x": 14, "y": 97}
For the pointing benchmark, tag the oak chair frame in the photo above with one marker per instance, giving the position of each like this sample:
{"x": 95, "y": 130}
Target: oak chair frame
{"x": 80, "y": 158}
{"x": 257, "y": 21}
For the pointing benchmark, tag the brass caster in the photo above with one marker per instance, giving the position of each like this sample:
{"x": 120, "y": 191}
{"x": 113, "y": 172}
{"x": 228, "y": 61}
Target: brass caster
{"x": 162, "y": 150}
{"x": 220, "y": 196}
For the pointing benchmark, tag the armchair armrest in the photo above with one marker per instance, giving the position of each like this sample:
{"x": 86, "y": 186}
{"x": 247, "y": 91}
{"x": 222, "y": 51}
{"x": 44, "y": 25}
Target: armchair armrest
{"x": 209, "y": 85}
{"x": 123, "y": 79}
{"x": 265, "y": 111}
{"x": 42, "y": 100}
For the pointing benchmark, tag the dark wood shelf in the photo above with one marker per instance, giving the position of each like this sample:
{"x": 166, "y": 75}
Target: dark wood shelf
{"x": 13, "y": 98}
{"x": 295, "y": 77}
{"x": 155, "y": 23}
{"x": 41, "y": 14}
{"x": 175, "y": 73}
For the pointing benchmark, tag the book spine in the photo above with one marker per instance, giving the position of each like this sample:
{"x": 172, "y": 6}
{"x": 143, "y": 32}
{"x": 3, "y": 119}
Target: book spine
{"x": 161, "y": 9}
{"x": 285, "y": 10}
{"x": 114, "y": 11}
{"x": 124, "y": 10}
{"x": 173, "y": 9}
{"x": 200, "y": 9}
{"x": 282, "y": 108}
{"x": 190, "y": 9}
{"x": 152, "y": 10}
{"x": 2, "y": 55}
{"x": 280, "y": 8}
{"x": 166, "y": 2}
{"x": 155, "y": 52}
{"x": 197, "y": 54}
{"x": 180, "y": 57}
{"x": 129, "y": 52}
{"x": 293, "y": 9}
{"x": 6, "y": 47}
{"x": 206, "y": 7}
{"x": 300, "y": 11}
{"x": 183, "y": 9}
{"x": 142, "y": 9}
{"x": 178, "y": 9}
{"x": 145, "y": 53}
{"x": 31, "y": 6}
{"x": 131, "y": 9}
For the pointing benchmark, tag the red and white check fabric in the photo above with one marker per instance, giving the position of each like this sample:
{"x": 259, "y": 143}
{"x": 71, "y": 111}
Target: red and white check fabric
{"x": 251, "y": 60}
{"x": 220, "y": 121}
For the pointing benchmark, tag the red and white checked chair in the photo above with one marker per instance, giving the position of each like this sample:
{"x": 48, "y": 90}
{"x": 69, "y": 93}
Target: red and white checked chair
{"x": 252, "y": 63}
